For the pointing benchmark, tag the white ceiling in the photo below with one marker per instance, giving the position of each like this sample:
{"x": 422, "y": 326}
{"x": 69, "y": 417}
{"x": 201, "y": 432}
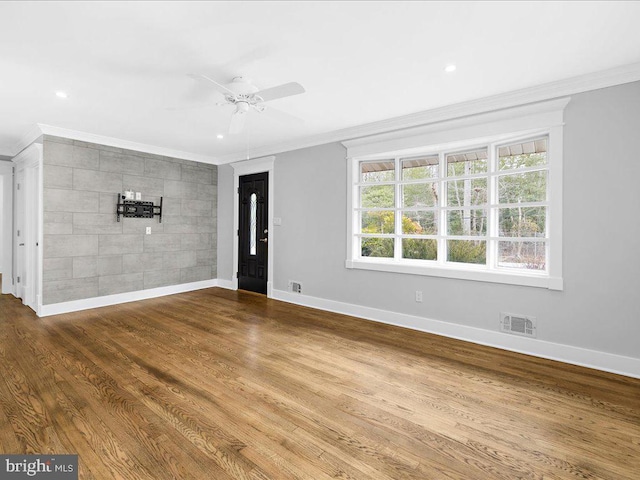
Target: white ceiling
{"x": 124, "y": 65}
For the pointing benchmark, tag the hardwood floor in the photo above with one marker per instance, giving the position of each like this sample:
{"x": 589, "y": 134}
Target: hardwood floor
{"x": 216, "y": 384}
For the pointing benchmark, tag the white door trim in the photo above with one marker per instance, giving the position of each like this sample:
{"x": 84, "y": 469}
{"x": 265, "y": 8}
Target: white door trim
{"x": 30, "y": 161}
{"x": 247, "y": 167}
{"x": 6, "y": 229}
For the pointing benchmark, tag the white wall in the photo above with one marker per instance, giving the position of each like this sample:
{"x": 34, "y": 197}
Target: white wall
{"x": 598, "y": 308}
{"x": 6, "y": 186}
{"x": 1, "y": 224}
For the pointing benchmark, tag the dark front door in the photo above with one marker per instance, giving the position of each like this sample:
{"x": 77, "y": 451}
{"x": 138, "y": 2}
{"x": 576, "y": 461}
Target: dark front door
{"x": 253, "y": 234}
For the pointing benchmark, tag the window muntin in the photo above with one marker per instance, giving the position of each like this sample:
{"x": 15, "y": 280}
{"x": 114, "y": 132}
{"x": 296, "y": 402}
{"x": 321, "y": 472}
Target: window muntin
{"x": 484, "y": 208}
{"x": 377, "y": 195}
{"x": 522, "y": 210}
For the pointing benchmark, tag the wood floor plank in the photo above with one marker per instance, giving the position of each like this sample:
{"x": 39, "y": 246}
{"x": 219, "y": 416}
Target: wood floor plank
{"x": 216, "y": 384}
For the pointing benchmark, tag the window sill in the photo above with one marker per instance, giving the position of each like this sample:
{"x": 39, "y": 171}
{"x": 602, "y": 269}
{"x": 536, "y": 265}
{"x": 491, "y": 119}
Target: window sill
{"x": 480, "y": 275}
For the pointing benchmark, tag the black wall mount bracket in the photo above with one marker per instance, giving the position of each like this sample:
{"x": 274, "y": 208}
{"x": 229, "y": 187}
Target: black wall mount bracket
{"x": 137, "y": 209}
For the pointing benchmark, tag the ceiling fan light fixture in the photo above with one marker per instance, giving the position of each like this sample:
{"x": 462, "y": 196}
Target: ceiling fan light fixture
{"x": 242, "y": 107}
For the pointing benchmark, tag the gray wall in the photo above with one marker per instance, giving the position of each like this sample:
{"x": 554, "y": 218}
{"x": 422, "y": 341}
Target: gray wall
{"x": 598, "y": 308}
{"x": 87, "y": 253}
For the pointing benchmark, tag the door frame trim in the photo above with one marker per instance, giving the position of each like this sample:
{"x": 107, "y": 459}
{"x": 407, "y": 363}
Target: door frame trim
{"x": 31, "y": 160}
{"x": 6, "y": 229}
{"x": 248, "y": 167}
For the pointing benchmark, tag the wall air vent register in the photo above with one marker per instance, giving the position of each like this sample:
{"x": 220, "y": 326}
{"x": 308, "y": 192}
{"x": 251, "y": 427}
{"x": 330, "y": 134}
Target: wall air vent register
{"x": 518, "y": 324}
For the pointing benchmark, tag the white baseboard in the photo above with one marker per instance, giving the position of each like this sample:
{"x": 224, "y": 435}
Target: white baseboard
{"x": 228, "y": 284}
{"x": 95, "y": 302}
{"x": 607, "y": 362}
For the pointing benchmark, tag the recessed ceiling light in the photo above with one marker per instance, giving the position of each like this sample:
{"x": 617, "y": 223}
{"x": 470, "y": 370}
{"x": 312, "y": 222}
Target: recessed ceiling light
{"x": 61, "y": 94}
{"x": 450, "y": 68}
{"x": 219, "y": 136}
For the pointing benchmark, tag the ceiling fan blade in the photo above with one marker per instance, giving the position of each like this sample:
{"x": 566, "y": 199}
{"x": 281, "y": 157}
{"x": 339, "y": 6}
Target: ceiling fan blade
{"x": 281, "y": 91}
{"x": 281, "y": 116}
{"x": 220, "y": 88}
{"x": 237, "y": 122}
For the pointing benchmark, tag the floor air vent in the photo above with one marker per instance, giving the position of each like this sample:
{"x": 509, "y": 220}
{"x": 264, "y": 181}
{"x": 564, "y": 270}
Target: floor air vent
{"x": 518, "y": 324}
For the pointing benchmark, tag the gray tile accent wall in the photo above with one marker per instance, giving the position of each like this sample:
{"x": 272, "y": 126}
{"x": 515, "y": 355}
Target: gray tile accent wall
{"x": 87, "y": 253}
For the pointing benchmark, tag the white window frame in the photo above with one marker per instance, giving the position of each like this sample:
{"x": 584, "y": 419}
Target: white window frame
{"x": 491, "y": 129}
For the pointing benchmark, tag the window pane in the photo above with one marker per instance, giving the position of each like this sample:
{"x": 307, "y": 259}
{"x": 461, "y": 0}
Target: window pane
{"x": 467, "y": 222}
{"x": 523, "y": 222}
{"x": 376, "y": 247}
{"x": 467, "y": 192}
{"x": 420, "y": 223}
{"x": 378, "y": 222}
{"x": 459, "y": 164}
{"x": 253, "y": 234}
{"x": 377, "y": 196}
{"x": 419, "y": 249}
{"x": 523, "y": 155}
{"x": 523, "y": 187}
{"x": 522, "y": 255}
{"x": 420, "y": 195}
{"x": 419, "y": 168}
{"x": 467, "y": 251}
{"x": 378, "y": 171}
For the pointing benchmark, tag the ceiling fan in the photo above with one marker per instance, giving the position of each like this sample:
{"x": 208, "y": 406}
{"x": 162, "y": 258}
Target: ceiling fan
{"x": 245, "y": 96}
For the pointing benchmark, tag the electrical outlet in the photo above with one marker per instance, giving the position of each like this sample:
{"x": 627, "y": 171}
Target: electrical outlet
{"x": 148, "y": 231}
{"x": 419, "y": 296}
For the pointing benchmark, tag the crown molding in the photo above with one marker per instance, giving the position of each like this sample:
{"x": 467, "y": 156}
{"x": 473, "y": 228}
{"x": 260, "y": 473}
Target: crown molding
{"x": 126, "y": 144}
{"x": 561, "y": 88}
{"x": 25, "y": 140}
{"x": 43, "y": 129}
{"x": 547, "y": 91}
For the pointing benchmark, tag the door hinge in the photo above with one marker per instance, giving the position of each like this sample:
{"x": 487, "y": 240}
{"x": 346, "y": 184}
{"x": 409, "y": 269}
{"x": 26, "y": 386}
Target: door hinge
{"x": 18, "y": 233}
{"x": 18, "y": 279}
{"x": 17, "y": 186}
{"x": 238, "y": 189}
{"x": 238, "y": 232}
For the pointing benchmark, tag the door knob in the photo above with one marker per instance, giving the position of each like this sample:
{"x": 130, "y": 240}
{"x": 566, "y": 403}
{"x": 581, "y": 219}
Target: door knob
{"x": 263, "y": 240}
